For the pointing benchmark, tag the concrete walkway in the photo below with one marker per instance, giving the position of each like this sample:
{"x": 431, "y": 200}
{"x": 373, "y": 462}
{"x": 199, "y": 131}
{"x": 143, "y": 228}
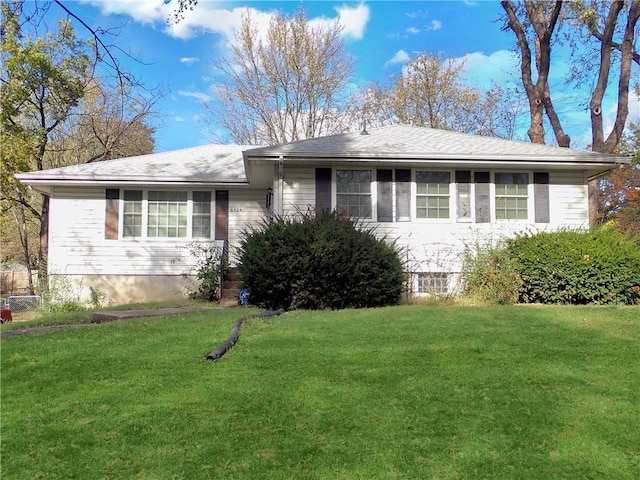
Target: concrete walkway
{"x": 109, "y": 316}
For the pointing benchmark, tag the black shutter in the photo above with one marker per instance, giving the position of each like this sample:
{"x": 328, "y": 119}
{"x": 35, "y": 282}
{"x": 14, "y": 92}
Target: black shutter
{"x": 222, "y": 215}
{"x": 541, "y": 196}
{"x": 112, "y": 197}
{"x": 323, "y": 189}
{"x": 385, "y": 200}
{"x": 483, "y": 197}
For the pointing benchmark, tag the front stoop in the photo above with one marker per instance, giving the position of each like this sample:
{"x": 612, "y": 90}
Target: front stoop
{"x": 230, "y": 289}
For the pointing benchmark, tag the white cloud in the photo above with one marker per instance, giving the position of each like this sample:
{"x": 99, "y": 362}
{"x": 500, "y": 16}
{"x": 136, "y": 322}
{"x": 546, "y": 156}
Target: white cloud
{"x": 400, "y": 57}
{"x": 353, "y": 20}
{"x": 143, "y": 11}
{"x": 418, "y": 14}
{"x": 413, "y": 30}
{"x": 188, "y": 61}
{"x": 434, "y": 25}
{"x": 203, "y": 97}
{"x": 205, "y": 17}
{"x": 482, "y": 69}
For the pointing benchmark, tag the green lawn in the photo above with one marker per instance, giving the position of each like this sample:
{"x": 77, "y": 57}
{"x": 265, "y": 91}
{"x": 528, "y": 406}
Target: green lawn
{"x": 406, "y": 392}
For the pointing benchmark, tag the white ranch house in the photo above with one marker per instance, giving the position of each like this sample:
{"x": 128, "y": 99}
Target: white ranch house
{"x": 121, "y": 226}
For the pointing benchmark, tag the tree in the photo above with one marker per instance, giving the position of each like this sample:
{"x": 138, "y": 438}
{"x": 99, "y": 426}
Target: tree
{"x": 288, "y": 86}
{"x": 541, "y": 19}
{"x": 111, "y": 121}
{"x": 432, "y": 93}
{"x": 619, "y": 198}
{"x": 598, "y": 24}
{"x": 42, "y": 79}
{"x": 45, "y": 77}
{"x": 614, "y": 38}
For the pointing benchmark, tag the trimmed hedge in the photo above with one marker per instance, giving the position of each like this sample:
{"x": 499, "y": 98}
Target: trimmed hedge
{"x": 319, "y": 261}
{"x": 600, "y": 266}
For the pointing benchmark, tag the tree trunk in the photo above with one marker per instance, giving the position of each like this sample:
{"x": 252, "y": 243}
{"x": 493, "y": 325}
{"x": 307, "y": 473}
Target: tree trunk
{"x": 597, "y": 130}
{"x": 537, "y": 93}
{"x": 43, "y": 251}
{"x": 21, "y": 223}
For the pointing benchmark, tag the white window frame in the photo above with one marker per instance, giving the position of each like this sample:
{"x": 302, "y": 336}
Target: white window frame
{"x": 373, "y": 193}
{"x": 494, "y": 197}
{"x": 145, "y": 216}
{"x": 414, "y": 196}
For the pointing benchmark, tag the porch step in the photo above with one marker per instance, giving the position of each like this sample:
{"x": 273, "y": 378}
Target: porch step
{"x": 230, "y": 289}
{"x": 229, "y": 302}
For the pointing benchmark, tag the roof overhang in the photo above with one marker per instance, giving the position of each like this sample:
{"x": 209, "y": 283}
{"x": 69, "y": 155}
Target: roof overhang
{"x": 594, "y": 166}
{"x": 46, "y": 184}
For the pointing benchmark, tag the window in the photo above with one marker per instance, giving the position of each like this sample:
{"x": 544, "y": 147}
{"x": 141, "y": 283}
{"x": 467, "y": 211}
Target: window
{"x": 132, "y": 214}
{"x": 463, "y": 193}
{"x": 201, "y": 227}
{"x": 512, "y": 196}
{"x": 384, "y": 195}
{"x": 393, "y": 195}
{"x": 432, "y": 194}
{"x": 354, "y": 192}
{"x": 435, "y": 283}
{"x": 166, "y": 214}
{"x": 403, "y": 195}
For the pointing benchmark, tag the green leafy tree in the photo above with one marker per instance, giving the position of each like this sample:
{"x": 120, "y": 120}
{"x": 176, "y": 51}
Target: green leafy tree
{"x": 55, "y": 112}
{"x": 43, "y": 78}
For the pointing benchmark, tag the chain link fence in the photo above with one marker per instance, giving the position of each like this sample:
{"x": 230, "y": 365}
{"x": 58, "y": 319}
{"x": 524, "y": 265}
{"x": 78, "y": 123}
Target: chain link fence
{"x": 24, "y": 303}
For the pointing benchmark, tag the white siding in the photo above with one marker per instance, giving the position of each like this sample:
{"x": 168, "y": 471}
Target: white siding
{"x": 299, "y": 190}
{"x": 245, "y": 207}
{"x": 439, "y": 246}
{"x": 77, "y": 245}
{"x": 568, "y": 199}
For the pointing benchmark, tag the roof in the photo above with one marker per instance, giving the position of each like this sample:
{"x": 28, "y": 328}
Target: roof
{"x": 204, "y": 164}
{"x": 410, "y": 142}
{"x": 227, "y": 164}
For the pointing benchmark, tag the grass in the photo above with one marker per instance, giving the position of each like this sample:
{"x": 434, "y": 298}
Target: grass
{"x": 408, "y": 392}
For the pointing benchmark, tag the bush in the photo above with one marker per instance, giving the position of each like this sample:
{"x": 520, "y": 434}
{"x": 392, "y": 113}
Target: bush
{"x": 208, "y": 268}
{"x": 489, "y": 275}
{"x": 601, "y": 266}
{"x": 319, "y": 261}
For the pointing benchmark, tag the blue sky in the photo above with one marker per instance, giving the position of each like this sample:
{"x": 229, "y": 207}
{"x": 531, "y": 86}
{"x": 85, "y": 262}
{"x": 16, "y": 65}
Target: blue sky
{"x": 382, "y": 36}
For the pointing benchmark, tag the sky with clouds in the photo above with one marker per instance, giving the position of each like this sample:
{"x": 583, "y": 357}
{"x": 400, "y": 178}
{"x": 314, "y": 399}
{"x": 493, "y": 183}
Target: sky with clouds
{"x": 382, "y": 36}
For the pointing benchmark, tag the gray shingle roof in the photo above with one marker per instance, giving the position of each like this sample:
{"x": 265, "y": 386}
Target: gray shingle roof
{"x": 220, "y": 164}
{"x": 409, "y": 142}
{"x": 204, "y": 164}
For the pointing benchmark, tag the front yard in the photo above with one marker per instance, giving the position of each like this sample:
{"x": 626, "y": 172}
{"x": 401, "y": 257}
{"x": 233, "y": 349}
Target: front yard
{"x": 403, "y": 392}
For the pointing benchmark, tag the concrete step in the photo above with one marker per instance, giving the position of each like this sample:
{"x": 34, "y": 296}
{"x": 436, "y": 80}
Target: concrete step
{"x": 229, "y": 302}
{"x": 231, "y": 285}
{"x": 230, "y": 293}
{"x": 233, "y": 274}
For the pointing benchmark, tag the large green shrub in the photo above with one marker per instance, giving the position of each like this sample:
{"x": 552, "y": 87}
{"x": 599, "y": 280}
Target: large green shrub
{"x": 601, "y": 266}
{"x": 317, "y": 261}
